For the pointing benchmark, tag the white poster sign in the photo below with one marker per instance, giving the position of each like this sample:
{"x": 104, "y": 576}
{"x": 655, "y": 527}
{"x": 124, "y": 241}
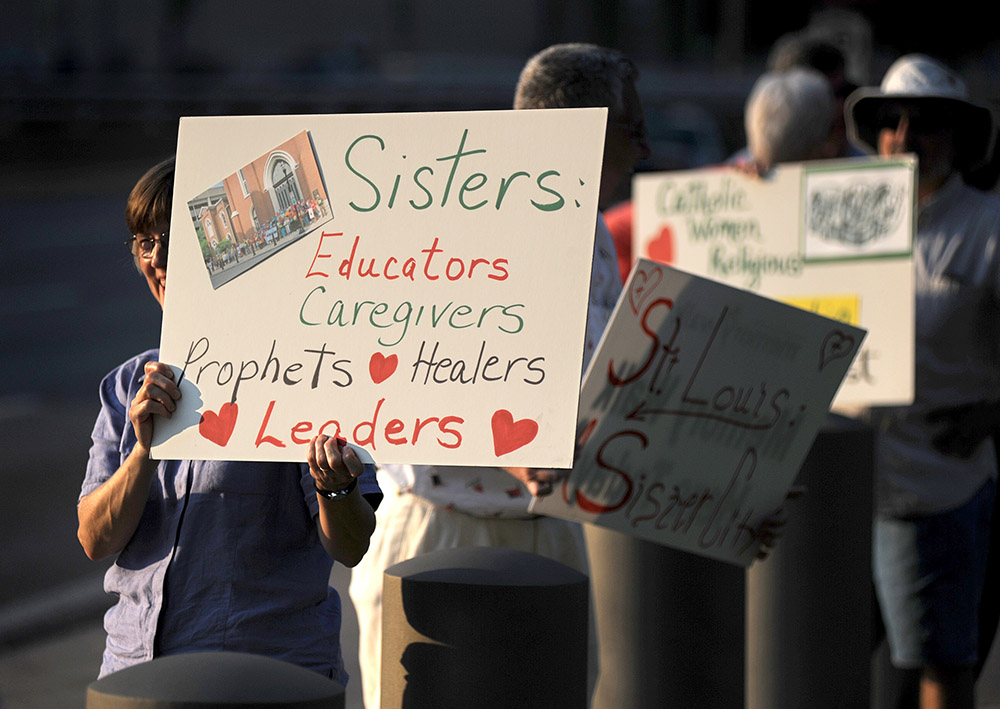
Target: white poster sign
{"x": 832, "y": 237}
{"x": 697, "y": 412}
{"x": 413, "y": 283}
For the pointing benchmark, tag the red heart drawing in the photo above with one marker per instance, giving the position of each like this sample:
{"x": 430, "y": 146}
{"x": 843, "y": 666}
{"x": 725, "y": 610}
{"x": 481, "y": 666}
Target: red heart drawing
{"x": 381, "y": 368}
{"x": 661, "y": 248}
{"x": 509, "y": 435}
{"x": 218, "y": 427}
{"x": 643, "y": 283}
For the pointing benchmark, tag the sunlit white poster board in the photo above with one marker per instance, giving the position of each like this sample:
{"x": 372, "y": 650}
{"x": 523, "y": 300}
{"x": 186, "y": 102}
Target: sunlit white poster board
{"x": 833, "y": 237}
{"x": 697, "y": 412}
{"x": 414, "y": 283}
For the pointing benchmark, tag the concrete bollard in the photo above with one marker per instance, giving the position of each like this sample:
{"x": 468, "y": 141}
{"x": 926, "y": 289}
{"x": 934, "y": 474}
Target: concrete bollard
{"x": 678, "y": 630}
{"x": 809, "y": 605}
{"x": 214, "y": 679}
{"x": 484, "y": 627}
{"x": 669, "y": 624}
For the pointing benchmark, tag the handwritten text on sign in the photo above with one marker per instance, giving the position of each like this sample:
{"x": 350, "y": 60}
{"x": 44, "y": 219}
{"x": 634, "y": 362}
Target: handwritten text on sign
{"x": 698, "y": 410}
{"x": 414, "y": 283}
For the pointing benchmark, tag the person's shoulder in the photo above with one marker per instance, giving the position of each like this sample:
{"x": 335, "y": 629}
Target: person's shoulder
{"x": 740, "y": 157}
{"x": 990, "y": 200}
{"x": 957, "y": 190}
{"x": 130, "y": 370}
{"x": 618, "y": 218}
{"x": 984, "y": 206}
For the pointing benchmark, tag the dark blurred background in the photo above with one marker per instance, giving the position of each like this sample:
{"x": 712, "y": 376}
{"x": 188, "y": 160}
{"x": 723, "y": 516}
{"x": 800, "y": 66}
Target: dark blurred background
{"x": 90, "y": 96}
{"x": 99, "y": 80}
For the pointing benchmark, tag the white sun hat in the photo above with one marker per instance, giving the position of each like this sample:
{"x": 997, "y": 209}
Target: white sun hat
{"x": 917, "y": 80}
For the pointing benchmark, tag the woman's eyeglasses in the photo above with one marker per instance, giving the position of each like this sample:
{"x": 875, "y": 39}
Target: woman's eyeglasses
{"x": 141, "y": 245}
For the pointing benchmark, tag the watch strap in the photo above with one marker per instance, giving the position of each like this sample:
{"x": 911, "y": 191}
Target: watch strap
{"x": 336, "y": 494}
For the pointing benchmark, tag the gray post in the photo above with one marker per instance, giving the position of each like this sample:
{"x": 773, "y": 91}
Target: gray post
{"x": 214, "y": 679}
{"x": 809, "y": 605}
{"x": 669, "y": 625}
{"x": 484, "y": 627}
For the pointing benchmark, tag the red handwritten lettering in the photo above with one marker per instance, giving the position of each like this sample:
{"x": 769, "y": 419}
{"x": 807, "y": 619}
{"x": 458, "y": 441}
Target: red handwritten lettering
{"x": 617, "y": 380}
{"x": 319, "y": 255}
{"x": 261, "y": 438}
{"x": 431, "y": 266}
{"x": 588, "y": 505}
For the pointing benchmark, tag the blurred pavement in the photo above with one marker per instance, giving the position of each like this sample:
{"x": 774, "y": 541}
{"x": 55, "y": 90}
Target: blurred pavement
{"x": 54, "y": 670}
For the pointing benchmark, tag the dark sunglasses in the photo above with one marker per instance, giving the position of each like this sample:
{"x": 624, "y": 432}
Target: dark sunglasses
{"x": 920, "y": 120}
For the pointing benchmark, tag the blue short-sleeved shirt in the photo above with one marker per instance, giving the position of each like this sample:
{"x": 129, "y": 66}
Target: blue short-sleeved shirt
{"x": 227, "y": 555}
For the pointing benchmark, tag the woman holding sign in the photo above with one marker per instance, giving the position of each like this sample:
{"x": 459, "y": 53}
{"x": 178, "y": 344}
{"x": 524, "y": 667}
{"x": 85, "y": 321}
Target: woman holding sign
{"x": 212, "y": 555}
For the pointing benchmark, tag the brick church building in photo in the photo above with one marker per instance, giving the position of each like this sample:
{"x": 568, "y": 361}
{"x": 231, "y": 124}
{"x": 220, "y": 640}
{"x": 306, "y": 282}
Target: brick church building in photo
{"x": 268, "y": 187}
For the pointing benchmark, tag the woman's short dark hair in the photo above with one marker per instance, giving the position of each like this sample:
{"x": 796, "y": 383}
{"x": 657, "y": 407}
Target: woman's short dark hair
{"x": 148, "y": 205}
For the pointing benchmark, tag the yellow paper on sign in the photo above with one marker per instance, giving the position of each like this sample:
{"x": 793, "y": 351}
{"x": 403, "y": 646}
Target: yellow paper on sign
{"x": 845, "y": 308}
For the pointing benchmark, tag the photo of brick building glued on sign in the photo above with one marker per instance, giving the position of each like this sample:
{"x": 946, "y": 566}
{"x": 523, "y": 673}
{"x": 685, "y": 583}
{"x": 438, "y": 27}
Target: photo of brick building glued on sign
{"x": 263, "y": 207}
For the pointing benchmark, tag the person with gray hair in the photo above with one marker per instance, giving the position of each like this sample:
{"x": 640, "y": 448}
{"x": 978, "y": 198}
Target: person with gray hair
{"x": 587, "y": 76}
{"x": 429, "y": 508}
{"x": 787, "y": 117}
{"x": 798, "y": 51}
{"x": 809, "y": 51}
{"x": 574, "y": 75}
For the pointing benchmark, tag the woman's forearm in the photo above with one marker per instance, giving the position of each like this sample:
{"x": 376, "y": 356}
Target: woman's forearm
{"x": 346, "y": 526}
{"x": 109, "y": 516}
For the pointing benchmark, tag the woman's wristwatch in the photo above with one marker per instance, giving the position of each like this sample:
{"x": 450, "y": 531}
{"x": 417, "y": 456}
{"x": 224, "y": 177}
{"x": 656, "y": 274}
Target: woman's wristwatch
{"x": 336, "y": 494}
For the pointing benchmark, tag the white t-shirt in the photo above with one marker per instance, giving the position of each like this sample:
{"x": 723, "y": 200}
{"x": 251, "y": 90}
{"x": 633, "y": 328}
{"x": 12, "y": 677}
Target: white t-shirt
{"x": 957, "y": 261}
